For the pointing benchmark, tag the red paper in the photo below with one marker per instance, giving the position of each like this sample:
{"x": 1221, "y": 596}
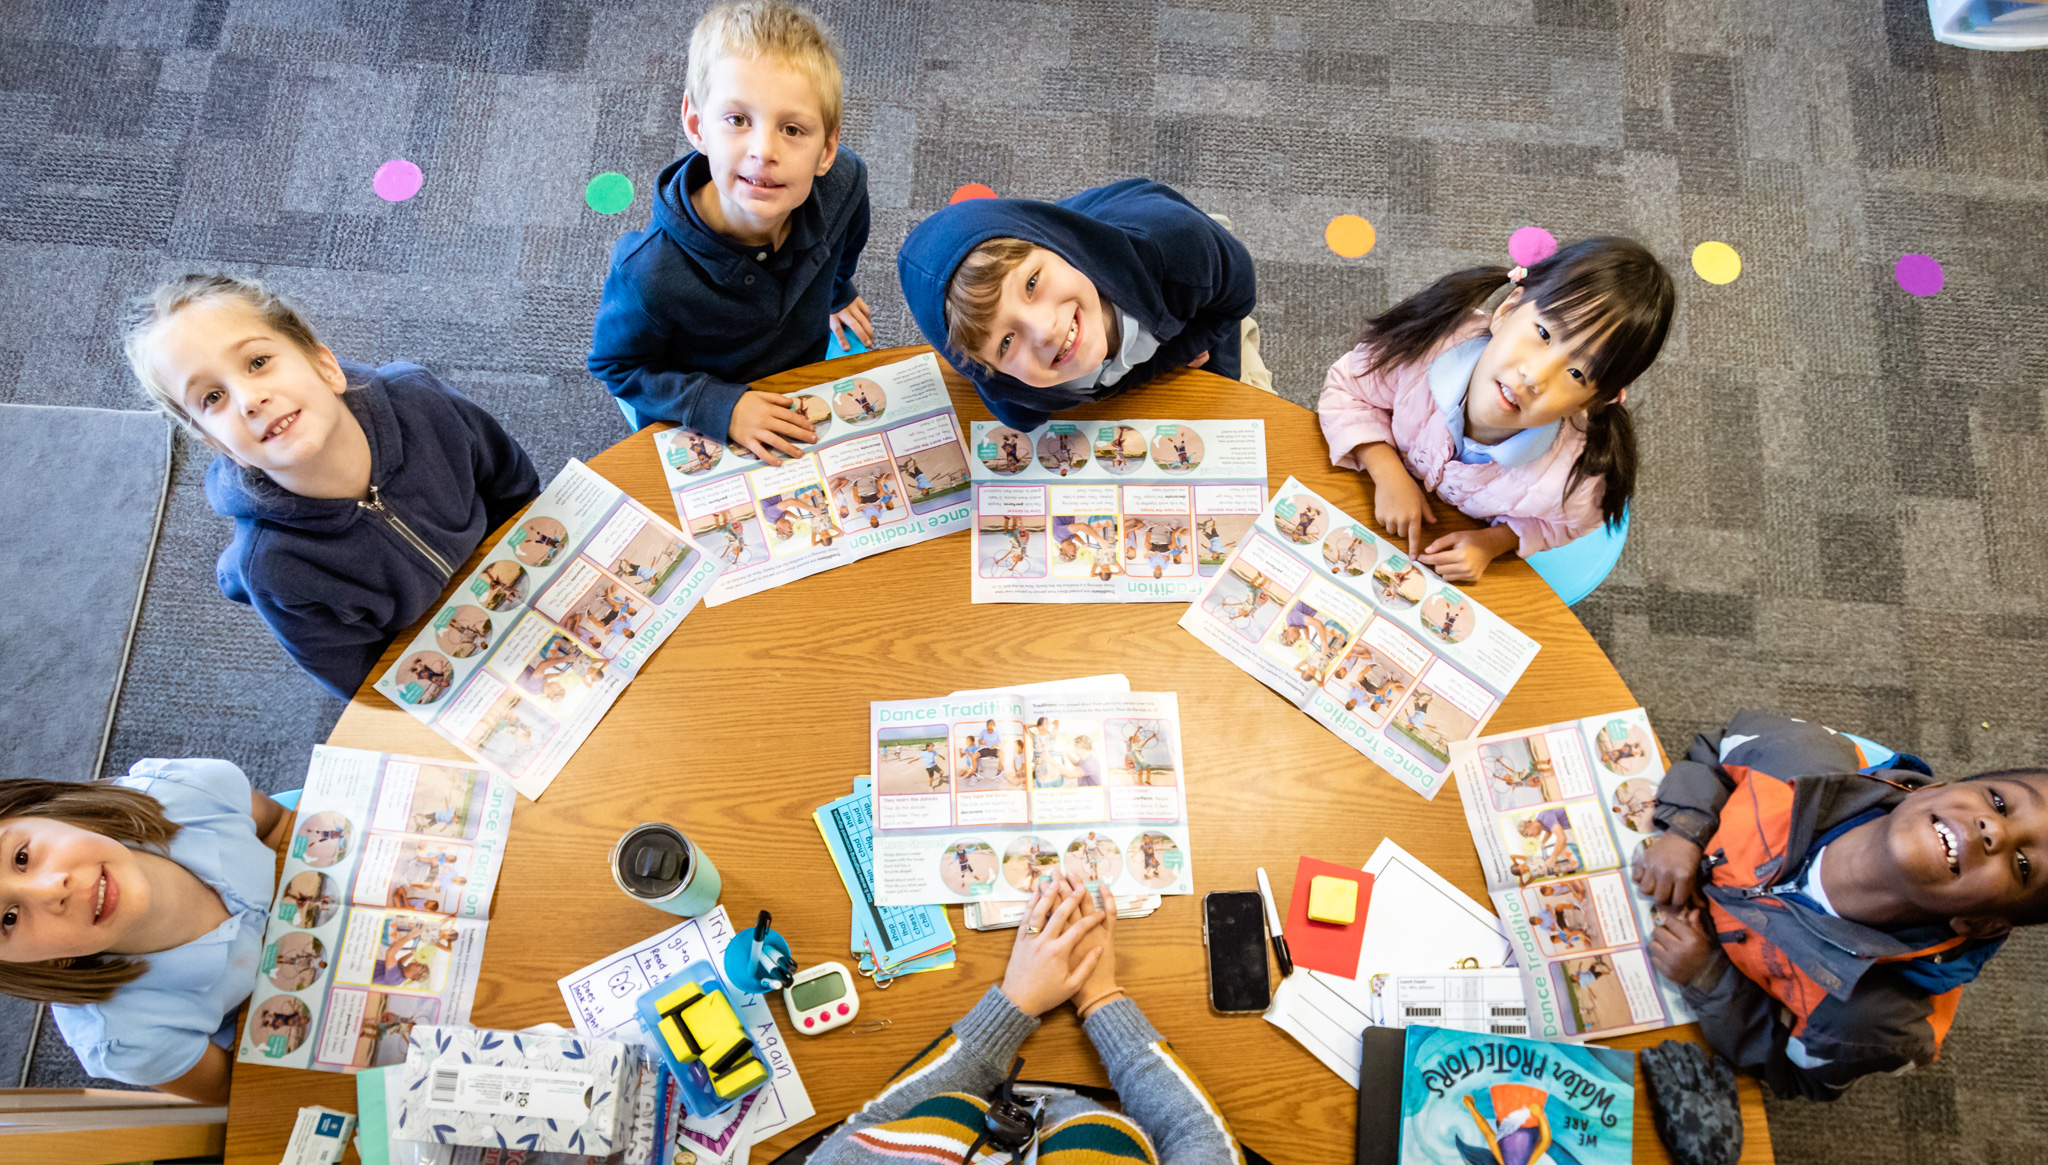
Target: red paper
{"x": 1323, "y": 946}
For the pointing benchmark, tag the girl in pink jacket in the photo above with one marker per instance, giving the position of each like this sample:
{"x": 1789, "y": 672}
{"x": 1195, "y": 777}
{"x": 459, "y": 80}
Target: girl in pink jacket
{"x": 1515, "y": 416}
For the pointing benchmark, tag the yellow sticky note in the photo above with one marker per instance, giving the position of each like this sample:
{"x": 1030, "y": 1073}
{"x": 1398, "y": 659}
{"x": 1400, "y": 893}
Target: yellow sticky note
{"x": 1332, "y": 899}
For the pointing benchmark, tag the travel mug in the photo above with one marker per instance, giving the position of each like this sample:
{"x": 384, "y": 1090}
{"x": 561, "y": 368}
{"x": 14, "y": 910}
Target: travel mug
{"x": 656, "y": 864}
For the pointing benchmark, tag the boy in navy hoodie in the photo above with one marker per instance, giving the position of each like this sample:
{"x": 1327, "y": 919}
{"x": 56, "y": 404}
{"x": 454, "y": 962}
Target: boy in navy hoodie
{"x": 356, "y": 492}
{"x": 1049, "y": 305}
{"x": 753, "y": 243}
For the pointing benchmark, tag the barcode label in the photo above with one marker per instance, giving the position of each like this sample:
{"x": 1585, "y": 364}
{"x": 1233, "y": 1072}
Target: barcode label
{"x": 1502, "y": 1029}
{"x": 446, "y": 1083}
{"x": 1523, "y": 1011}
{"x": 1417, "y": 1012}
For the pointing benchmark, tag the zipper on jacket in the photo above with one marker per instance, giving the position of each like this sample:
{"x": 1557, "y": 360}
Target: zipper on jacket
{"x": 376, "y": 506}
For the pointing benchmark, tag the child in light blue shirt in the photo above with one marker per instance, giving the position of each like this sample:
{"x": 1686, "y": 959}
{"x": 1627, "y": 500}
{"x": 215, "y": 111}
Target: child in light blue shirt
{"x": 136, "y": 907}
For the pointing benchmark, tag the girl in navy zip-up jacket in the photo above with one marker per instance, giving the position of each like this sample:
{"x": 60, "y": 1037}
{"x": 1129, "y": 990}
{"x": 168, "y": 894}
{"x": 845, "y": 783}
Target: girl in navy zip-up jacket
{"x": 357, "y": 492}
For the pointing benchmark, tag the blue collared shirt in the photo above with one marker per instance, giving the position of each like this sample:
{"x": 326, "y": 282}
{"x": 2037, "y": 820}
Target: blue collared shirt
{"x": 156, "y": 1027}
{"x": 1137, "y": 347}
{"x": 1450, "y": 377}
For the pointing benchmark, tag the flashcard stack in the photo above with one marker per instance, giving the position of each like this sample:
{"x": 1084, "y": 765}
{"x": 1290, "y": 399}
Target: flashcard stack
{"x": 1136, "y": 511}
{"x": 1370, "y": 643}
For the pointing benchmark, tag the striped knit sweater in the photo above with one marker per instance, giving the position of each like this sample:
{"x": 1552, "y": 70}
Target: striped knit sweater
{"x": 932, "y": 1109}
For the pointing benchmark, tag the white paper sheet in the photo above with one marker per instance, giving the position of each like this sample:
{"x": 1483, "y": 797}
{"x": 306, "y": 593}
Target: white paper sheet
{"x": 1416, "y": 923}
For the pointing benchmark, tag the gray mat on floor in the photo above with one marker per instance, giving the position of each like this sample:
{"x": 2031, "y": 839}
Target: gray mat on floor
{"x": 85, "y": 488}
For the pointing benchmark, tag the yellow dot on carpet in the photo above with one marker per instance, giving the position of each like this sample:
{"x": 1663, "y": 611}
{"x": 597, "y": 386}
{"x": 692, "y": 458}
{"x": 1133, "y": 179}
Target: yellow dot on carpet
{"x": 1716, "y": 262}
{"x": 1349, "y": 235}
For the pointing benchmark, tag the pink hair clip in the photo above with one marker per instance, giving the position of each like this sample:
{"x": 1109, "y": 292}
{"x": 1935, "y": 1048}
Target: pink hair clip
{"x": 1621, "y": 398}
{"x": 1517, "y": 274}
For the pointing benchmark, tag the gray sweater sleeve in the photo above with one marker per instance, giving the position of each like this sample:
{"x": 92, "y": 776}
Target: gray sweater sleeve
{"x": 1159, "y": 1091}
{"x": 973, "y": 1057}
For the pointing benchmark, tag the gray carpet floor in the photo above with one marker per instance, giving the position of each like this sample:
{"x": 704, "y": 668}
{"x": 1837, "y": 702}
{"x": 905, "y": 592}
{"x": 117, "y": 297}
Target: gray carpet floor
{"x": 1844, "y": 493}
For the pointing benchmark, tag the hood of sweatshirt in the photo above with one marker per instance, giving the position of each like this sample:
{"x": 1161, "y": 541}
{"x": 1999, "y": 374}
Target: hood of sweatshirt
{"x": 237, "y": 492}
{"x": 1126, "y": 267}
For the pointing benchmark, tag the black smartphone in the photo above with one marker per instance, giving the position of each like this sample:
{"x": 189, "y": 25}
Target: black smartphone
{"x": 1234, "y": 930}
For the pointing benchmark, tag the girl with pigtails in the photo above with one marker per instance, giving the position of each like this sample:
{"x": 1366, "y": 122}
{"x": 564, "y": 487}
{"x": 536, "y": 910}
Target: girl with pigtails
{"x": 1513, "y": 411}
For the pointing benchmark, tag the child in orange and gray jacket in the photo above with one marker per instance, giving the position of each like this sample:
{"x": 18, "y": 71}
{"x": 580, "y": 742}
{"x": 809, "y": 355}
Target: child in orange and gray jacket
{"x": 1849, "y": 903}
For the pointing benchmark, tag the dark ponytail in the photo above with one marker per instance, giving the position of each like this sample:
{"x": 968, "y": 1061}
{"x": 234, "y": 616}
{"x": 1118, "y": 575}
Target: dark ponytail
{"x": 1608, "y": 293}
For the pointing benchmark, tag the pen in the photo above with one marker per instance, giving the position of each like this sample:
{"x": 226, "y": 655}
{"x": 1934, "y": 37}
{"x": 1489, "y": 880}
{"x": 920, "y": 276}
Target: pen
{"x": 760, "y": 940}
{"x": 1273, "y": 923}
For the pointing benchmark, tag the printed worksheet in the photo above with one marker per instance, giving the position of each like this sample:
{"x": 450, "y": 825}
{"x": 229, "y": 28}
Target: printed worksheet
{"x": 1559, "y": 814}
{"x": 1131, "y": 511}
{"x": 1370, "y": 643}
{"x": 977, "y": 796}
{"x": 527, "y": 654}
{"x": 888, "y": 470}
{"x": 601, "y": 999}
{"x": 381, "y": 909}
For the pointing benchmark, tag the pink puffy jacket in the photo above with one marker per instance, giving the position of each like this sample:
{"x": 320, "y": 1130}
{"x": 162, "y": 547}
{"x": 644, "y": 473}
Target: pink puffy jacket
{"x": 1395, "y": 406}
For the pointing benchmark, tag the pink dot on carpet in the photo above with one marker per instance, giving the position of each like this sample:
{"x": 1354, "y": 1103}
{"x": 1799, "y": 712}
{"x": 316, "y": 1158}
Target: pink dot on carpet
{"x": 971, "y": 190}
{"x": 1531, "y": 245}
{"x": 1918, "y": 274}
{"x": 397, "y": 180}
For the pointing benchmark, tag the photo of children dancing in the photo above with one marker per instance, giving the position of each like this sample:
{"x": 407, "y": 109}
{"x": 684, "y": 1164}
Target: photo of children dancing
{"x": 1063, "y": 450}
{"x": 1011, "y": 546}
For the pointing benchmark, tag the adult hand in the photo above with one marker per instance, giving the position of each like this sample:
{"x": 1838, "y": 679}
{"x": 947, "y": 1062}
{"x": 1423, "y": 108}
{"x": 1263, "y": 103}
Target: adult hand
{"x": 764, "y": 422}
{"x": 1043, "y": 971}
{"x": 1680, "y": 946}
{"x": 854, "y": 315}
{"x": 1198, "y": 361}
{"x": 1102, "y": 980}
{"x": 1669, "y": 870}
{"x": 1463, "y": 555}
{"x": 1397, "y": 499}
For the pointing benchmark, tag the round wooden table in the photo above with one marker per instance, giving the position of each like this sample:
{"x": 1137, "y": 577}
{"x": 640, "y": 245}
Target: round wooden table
{"x": 755, "y": 713}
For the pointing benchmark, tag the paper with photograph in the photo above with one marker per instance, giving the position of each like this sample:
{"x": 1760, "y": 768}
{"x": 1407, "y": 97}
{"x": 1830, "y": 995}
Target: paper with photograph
{"x": 979, "y": 796}
{"x": 381, "y": 909}
{"x": 1370, "y": 643}
{"x": 888, "y": 470}
{"x": 1137, "y": 511}
{"x": 527, "y": 654}
{"x": 1558, "y": 814}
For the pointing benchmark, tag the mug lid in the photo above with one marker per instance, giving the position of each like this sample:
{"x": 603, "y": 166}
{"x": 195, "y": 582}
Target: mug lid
{"x": 652, "y": 861}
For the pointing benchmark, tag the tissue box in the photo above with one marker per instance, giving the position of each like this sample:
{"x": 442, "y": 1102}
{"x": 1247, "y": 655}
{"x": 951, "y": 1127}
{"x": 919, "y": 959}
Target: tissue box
{"x": 518, "y": 1090}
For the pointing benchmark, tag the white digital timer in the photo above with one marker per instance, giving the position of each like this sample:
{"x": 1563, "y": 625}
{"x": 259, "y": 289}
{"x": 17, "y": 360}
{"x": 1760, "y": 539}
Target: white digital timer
{"x": 821, "y": 998}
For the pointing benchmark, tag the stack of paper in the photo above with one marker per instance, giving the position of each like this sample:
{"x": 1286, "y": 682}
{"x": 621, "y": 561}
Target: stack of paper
{"x": 890, "y": 940}
{"x": 1420, "y": 925}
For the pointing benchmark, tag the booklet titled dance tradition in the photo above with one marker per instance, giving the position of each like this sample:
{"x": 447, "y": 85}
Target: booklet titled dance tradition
{"x": 1370, "y": 643}
{"x": 1559, "y": 815}
{"x": 1136, "y": 511}
{"x": 381, "y": 909}
{"x": 888, "y": 469}
{"x": 979, "y": 795}
{"x": 526, "y": 655}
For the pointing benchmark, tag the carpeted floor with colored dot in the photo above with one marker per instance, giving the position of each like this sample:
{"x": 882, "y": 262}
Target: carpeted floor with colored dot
{"x": 1843, "y": 509}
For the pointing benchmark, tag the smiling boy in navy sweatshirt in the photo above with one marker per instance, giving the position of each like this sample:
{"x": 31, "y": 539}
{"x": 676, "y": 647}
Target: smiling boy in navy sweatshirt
{"x": 754, "y": 240}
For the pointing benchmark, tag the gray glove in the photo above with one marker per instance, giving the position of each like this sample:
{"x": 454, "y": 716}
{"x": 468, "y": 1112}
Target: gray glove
{"x": 1692, "y": 1093}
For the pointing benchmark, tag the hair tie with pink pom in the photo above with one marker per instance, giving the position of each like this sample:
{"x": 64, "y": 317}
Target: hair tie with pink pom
{"x": 1621, "y": 398}
{"x": 1517, "y": 274}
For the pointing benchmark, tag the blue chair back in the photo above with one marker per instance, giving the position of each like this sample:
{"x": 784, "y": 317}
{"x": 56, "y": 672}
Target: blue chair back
{"x": 1577, "y": 568}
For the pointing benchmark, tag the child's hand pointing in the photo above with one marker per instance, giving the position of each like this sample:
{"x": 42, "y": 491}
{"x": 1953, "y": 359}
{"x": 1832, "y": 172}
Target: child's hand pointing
{"x": 764, "y": 422}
